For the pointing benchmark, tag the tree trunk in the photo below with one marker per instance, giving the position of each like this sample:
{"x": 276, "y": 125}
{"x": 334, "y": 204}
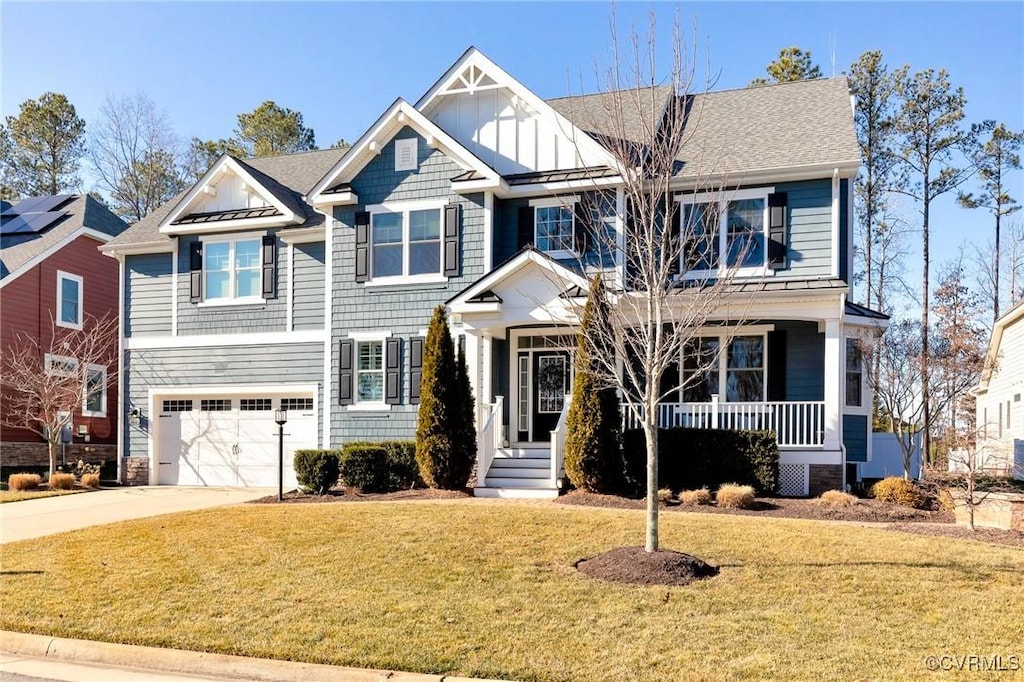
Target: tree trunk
{"x": 651, "y": 436}
{"x": 51, "y": 448}
{"x": 995, "y": 256}
{"x": 925, "y": 365}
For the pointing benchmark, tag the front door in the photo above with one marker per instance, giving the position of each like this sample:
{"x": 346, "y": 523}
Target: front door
{"x": 550, "y": 377}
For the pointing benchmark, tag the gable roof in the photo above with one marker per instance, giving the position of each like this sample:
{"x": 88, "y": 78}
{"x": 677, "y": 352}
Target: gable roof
{"x": 734, "y": 133}
{"x": 85, "y": 215}
{"x": 397, "y": 116}
{"x": 294, "y": 173}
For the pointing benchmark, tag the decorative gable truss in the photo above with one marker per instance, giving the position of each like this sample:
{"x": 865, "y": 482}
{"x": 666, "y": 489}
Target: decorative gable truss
{"x": 505, "y": 124}
{"x": 232, "y": 196}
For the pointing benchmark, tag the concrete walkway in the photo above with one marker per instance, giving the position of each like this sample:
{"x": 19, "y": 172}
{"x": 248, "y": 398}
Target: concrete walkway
{"x": 82, "y": 660}
{"x": 49, "y": 515}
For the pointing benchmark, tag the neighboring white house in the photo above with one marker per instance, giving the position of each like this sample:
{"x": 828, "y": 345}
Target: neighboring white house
{"x": 1000, "y": 411}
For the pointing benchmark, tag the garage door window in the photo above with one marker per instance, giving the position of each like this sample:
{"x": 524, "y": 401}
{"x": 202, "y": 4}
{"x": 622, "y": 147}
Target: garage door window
{"x": 217, "y": 405}
{"x": 256, "y": 405}
{"x": 297, "y": 404}
{"x": 177, "y": 406}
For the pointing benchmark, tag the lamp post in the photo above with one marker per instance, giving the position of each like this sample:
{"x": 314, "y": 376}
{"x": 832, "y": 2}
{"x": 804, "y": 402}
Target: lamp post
{"x": 281, "y": 417}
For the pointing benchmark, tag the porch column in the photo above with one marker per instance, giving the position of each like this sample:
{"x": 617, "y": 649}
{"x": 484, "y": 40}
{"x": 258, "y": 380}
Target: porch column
{"x": 834, "y": 369}
{"x": 486, "y": 380}
{"x": 473, "y": 368}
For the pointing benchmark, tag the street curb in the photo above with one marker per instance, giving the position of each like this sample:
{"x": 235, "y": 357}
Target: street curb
{"x": 199, "y": 663}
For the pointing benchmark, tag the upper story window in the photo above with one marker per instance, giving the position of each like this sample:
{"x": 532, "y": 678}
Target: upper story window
{"x": 554, "y": 229}
{"x": 94, "y": 399}
{"x": 854, "y": 374}
{"x": 231, "y": 270}
{"x": 730, "y": 223}
{"x": 69, "y": 300}
{"x": 405, "y": 242}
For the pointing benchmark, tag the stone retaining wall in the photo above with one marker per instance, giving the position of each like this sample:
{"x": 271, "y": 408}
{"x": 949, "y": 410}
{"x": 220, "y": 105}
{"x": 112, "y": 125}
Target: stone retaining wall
{"x": 135, "y": 471}
{"x": 36, "y": 454}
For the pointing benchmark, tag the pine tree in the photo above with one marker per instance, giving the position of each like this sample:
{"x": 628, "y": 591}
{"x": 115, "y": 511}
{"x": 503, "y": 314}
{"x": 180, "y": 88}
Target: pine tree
{"x": 442, "y": 452}
{"x": 42, "y": 147}
{"x": 593, "y": 459}
{"x": 792, "y": 65}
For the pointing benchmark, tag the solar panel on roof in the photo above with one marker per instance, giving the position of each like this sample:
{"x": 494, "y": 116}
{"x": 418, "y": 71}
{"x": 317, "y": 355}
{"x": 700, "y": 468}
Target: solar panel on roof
{"x": 23, "y": 206}
{"x": 12, "y": 225}
{"x": 49, "y": 203}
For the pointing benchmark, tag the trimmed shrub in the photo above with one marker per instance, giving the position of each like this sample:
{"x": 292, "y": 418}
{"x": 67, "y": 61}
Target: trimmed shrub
{"x": 24, "y": 481}
{"x": 365, "y": 467}
{"x": 665, "y": 495}
{"x": 445, "y": 443}
{"x": 316, "y": 470}
{"x": 836, "y": 498}
{"x": 91, "y": 480}
{"x": 62, "y": 482}
{"x": 899, "y": 491}
{"x": 593, "y": 456}
{"x": 692, "y": 458}
{"x": 732, "y": 496}
{"x": 401, "y": 470}
{"x": 945, "y": 501}
{"x": 695, "y": 497}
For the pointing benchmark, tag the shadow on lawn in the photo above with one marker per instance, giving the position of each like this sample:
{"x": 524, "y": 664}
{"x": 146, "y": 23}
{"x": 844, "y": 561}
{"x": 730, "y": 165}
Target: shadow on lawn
{"x": 22, "y": 572}
{"x": 974, "y": 571}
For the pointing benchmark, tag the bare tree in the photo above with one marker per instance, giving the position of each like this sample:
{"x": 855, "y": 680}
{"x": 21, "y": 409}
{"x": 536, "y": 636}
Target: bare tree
{"x": 136, "y": 155}
{"x": 978, "y": 468}
{"x": 676, "y": 280}
{"x": 46, "y": 383}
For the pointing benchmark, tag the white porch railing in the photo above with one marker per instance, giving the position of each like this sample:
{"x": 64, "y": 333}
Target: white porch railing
{"x": 558, "y": 441}
{"x": 796, "y": 423}
{"x": 489, "y": 437}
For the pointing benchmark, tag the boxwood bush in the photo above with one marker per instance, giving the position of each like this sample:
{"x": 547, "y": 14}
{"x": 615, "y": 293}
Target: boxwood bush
{"x": 316, "y": 470}
{"x": 695, "y": 458}
{"x": 380, "y": 467}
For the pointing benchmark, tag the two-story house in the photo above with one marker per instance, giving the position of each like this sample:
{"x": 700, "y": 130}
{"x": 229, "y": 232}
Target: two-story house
{"x": 307, "y": 282}
{"x": 52, "y": 279}
{"x": 998, "y": 407}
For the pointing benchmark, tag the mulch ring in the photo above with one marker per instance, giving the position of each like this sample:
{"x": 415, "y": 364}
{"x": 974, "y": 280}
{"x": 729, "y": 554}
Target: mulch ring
{"x": 353, "y": 495}
{"x": 636, "y": 566}
{"x": 866, "y": 510}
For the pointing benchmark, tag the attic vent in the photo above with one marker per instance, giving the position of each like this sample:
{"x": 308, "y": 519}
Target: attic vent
{"x": 405, "y": 155}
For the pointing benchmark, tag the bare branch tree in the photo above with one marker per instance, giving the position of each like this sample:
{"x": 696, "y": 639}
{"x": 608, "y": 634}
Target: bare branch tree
{"x": 45, "y": 384}
{"x": 978, "y": 468}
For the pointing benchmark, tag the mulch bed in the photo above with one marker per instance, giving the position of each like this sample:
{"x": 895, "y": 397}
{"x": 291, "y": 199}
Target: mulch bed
{"x": 353, "y": 495}
{"x": 635, "y": 566}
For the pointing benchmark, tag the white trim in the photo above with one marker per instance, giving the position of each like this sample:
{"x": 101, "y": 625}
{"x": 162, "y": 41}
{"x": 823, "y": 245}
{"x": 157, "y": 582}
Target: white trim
{"x": 779, "y": 174}
{"x": 102, "y": 413}
{"x": 366, "y": 148}
{"x": 225, "y": 340}
{"x": 174, "y": 287}
{"x": 835, "y": 223}
{"x": 232, "y": 239}
{"x": 59, "y": 319}
{"x": 141, "y": 248}
{"x": 585, "y": 184}
{"x": 360, "y": 337}
{"x": 40, "y": 257}
{"x": 404, "y": 208}
{"x": 225, "y": 164}
{"x": 403, "y": 280}
{"x": 512, "y": 266}
{"x": 368, "y": 407}
{"x": 302, "y": 235}
{"x": 722, "y": 199}
{"x": 548, "y": 202}
{"x": 724, "y": 195}
{"x": 328, "y": 402}
{"x": 290, "y": 301}
{"x": 563, "y": 202}
{"x": 233, "y": 390}
{"x": 369, "y": 335}
{"x": 488, "y": 230}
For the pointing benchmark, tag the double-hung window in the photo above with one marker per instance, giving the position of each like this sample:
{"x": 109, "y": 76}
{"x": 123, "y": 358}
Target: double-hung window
{"x": 854, "y": 374}
{"x": 69, "y": 300}
{"x": 231, "y": 270}
{"x": 370, "y": 372}
{"x": 744, "y": 379}
{"x": 700, "y": 370}
{"x": 554, "y": 226}
{"x": 94, "y": 398}
{"x": 733, "y": 223}
{"x": 735, "y": 373}
{"x": 405, "y": 242}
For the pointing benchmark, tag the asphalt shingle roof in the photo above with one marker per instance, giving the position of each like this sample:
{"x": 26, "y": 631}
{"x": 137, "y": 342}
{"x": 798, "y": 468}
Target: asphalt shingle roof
{"x": 83, "y": 211}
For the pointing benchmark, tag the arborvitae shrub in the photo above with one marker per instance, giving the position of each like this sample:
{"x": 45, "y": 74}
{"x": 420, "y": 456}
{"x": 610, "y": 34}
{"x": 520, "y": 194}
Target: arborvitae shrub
{"x": 445, "y": 445}
{"x": 316, "y": 470}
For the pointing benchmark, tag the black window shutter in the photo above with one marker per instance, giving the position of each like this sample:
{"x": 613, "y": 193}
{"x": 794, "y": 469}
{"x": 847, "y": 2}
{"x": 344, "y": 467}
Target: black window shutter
{"x": 195, "y": 266}
{"x": 415, "y": 368}
{"x": 778, "y": 247}
{"x": 393, "y": 371}
{"x": 362, "y": 246}
{"x": 451, "y": 240}
{"x": 581, "y": 228}
{"x": 345, "y": 372}
{"x": 269, "y": 266}
{"x": 525, "y": 232}
{"x": 777, "y": 365}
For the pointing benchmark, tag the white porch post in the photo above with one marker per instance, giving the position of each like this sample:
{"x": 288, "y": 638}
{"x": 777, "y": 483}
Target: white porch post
{"x": 473, "y": 368}
{"x": 487, "y": 381}
{"x": 834, "y": 365}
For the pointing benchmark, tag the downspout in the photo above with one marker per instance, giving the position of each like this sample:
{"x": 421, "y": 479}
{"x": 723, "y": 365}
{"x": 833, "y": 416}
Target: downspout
{"x": 842, "y": 403}
{"x": 122, "y": 399}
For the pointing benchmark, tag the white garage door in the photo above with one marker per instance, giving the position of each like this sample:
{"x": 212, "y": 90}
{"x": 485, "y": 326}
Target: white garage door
{"x": 230, "y": 440}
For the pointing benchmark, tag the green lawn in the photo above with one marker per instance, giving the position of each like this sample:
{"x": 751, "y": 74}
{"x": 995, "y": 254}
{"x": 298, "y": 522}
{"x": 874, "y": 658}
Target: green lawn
{"x": 19, "y": 495}
{"x": 490, "y": 590}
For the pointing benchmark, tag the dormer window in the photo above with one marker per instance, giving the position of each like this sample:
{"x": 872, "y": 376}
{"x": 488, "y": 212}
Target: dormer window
{"x": 231, "y": 270}
{"x": 405, "y": 154}
{"x": 554, "y": 226}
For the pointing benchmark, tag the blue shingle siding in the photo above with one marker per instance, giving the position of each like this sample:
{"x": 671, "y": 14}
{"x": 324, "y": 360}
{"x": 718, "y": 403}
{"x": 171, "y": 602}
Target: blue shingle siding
{"x": 147, "y": 294}
{"x": 403, "y": 310}
{"x": 855, "y": 437}
{"x": 810, "y": 228}
{"x": 308, "y": 281}
{"x": 268, "y": 316}
{"x": 236, "y": 366}
{"x": 805, "y": 360}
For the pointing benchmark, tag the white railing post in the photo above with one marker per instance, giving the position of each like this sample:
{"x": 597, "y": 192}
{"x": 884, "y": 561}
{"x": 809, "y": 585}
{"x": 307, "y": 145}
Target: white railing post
{"x": 488, "y": 438}
{"x": 558, "y": 441}
{"x": 714, "y": 411}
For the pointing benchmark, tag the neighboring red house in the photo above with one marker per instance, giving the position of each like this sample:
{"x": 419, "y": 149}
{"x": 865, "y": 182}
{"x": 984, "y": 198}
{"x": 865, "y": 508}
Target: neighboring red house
{"x": 51, "y": 271}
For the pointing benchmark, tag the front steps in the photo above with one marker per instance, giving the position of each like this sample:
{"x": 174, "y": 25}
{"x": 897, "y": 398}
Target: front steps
{"x": 519, "y": 472}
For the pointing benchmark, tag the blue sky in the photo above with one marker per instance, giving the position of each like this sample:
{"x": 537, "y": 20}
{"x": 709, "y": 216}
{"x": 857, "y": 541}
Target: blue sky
{"x": 342, "y": 64}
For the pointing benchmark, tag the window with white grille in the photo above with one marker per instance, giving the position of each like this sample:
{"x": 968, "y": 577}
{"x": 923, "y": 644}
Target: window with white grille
{"x": 215, "y": 405}
{"x": 256, "y": 404}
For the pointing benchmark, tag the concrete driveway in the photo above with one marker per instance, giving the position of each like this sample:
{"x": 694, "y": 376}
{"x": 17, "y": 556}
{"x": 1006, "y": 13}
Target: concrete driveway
{"x": 36, "y": 518}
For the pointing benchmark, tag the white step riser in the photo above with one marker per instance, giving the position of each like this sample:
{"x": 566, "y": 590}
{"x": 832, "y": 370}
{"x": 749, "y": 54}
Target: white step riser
{"x": 526, "y": 463}
{"x": 506, "y": 482}
{"x": 517, "y": 493}
{"x": 522, "y": 454}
